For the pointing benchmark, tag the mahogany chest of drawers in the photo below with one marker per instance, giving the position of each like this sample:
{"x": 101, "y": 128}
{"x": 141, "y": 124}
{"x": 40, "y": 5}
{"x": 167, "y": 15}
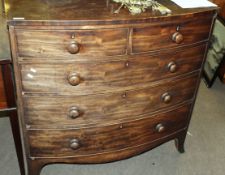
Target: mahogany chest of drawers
{"x": 96, "y": 87}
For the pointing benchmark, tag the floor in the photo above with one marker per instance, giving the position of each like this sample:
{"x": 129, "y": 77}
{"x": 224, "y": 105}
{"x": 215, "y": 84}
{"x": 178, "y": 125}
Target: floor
{"x": 205, "y": 147}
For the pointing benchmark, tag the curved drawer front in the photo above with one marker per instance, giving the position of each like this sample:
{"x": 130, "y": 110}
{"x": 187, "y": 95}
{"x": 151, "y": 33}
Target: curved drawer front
{"x": 86, "y": 141}
{"x": 171, "y": 34}
{"x": 82, "y": 78}
{"x": 71, "y": 43}
{"x": 64, "y": 111}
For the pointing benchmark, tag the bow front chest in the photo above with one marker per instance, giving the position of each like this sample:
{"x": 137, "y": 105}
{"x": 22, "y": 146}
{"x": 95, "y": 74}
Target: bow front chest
{"x": 96, "y": 87}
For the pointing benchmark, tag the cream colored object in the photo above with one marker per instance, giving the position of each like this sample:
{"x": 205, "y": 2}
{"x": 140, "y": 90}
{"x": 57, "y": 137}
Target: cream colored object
{"x": 194, "y": 3}
{"x": 162, "y": 9}
{"x": 139, "y": 6}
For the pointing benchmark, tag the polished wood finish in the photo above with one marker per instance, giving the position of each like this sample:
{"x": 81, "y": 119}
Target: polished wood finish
{"x": 110, "y": 138}
{"x": 171, "y": 34}
{"x": 36, "y": 164}
{"x": 96, "y": 87}
{"x": 89, "y": 12}
{"x": 48, "y": 112}
{"x": 106, "y": 76}
{"x": 71, "y": 43}
{"x": 221, "y": 4}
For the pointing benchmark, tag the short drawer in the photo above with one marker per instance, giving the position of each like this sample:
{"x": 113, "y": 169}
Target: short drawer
{"x": 71, "y": 43}
{"x": 82, "y": 78}
{"x": 171, "y": 34}
{"x": 86, "y": 141}
{"x": 76, "y": 111}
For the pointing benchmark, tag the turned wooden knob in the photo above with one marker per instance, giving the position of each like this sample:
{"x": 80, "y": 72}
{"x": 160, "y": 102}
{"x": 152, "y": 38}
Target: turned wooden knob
{"x": 172, "y": 66}
{"x": 74, "y": 112}
{"x": 166, "y": 97}
{"x": 74, "y": 78}
{"x": 73, "y": 47}
{"x": 160, "y": 127}
{"x": 177, "y": 37}
{"x": 74, "y": 144}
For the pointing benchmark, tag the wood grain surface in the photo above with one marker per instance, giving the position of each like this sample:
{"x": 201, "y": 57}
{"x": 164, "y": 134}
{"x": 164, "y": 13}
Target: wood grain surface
{"x": 221, "y": 4}
{"x": 132, "y": 78}
{"x": 160, "y": 37}
{"x": 47, "y": 143}
{"x": 53, "y": 112}
{"x": 90, "y": 12}
{"x": 110, "y": 76}
{"x": 50, "y": 43}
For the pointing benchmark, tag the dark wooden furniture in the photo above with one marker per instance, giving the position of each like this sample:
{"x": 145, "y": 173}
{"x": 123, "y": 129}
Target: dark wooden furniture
{"x": 8, "y": 107}
{"x": 96, "y": 87}
{"x": 7, "y": 90}
{"x": 221, "y": 4}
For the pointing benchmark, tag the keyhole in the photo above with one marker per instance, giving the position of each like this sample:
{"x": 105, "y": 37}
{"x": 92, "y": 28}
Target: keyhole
{"x": 73, "y": 36}
{"x": 124, "y": 95}
{"x": 127, "y": 64}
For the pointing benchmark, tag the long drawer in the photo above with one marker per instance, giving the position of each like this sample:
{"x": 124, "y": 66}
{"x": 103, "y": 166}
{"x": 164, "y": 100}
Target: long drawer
{"x": 86, "y": 141}
{"x": 82, "y": 78}
{"x": 76, "y": 111}
{"x": 71, "y": 43}
{"x": 171, "y": 34}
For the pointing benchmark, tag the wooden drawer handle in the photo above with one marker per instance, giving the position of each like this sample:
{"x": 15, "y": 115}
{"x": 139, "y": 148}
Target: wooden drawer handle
{"x": 166, "y": 97}
{"x": 73, "y": 47}
{"x": 172, "y": 66}
{"x": 74, "y": 144}
{"x": 74, "y": 79}
{"x": 74, "y": 113}
{"x": 177, "y": 37}
{"x": 160, "y": 128}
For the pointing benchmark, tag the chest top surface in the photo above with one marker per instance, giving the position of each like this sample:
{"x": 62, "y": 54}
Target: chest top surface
{"x": 46, "y": 12}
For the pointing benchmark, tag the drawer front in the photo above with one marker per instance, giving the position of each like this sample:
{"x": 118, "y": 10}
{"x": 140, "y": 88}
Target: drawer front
{"x": 86, "y": 141}
{"x": 91, "y": 78}
{"x": 71, "y": 43}
{"x": 171, "y": 34}
{"x": 77, "y": 111}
